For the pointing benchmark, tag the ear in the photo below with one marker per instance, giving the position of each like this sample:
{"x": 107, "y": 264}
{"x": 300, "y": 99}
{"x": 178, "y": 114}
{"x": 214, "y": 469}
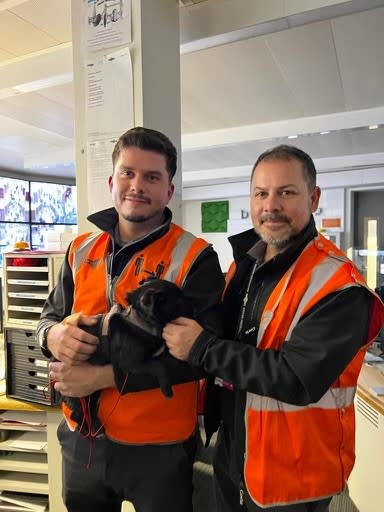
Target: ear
{"x": 110, "y": 183}
{"x": 315, "y": 198}
{"x": 171, "y": 189}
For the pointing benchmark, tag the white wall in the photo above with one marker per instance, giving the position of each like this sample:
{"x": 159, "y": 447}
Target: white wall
{"x": 332, "y": 204}
{"x": 192, "y": 222}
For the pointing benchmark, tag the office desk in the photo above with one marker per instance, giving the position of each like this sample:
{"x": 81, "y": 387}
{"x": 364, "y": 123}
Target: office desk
{"x": 366, "y": 483}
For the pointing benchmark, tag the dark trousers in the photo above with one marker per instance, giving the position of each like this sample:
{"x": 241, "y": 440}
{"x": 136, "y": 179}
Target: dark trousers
{"x": 228, "y": 485}
{"x": 155, "y": 478}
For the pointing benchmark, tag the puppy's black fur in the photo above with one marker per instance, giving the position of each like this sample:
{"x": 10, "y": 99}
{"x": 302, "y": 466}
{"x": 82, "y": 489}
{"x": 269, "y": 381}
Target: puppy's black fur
{"x": 129, "y": 338}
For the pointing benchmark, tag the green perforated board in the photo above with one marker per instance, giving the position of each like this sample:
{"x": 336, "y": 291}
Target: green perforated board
{"x": 214, "y": 216}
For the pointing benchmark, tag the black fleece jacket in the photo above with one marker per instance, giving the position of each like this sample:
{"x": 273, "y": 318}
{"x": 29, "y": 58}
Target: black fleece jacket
{"x": 203, "y": 288}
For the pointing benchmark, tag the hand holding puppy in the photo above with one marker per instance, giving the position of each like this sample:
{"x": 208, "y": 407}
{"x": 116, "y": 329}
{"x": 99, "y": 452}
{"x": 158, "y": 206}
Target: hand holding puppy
{"x": 180, "y": 335}
{"x": 69, "y": 343}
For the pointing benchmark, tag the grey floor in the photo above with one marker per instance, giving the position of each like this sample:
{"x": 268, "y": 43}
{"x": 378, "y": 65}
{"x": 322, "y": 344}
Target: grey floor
{"x": 204, "y": 500}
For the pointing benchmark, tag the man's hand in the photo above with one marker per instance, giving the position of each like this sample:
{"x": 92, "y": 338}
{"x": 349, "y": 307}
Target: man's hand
{"x": 80, "y": 380}
{"x": 71, "y": 344}
{"x": 180, "y": 335}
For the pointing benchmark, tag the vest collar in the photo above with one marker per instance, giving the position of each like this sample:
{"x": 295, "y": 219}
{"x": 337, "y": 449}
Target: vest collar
{"x": 106, "y": 220}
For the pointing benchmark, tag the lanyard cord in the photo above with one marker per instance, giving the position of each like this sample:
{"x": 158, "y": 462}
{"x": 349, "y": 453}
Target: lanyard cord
{"x": 245, "y": 301}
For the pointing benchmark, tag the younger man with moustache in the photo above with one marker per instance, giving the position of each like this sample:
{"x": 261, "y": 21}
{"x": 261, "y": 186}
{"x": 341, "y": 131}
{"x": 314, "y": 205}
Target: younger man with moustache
{"x": 144, "y": 454}
{"x": 298, "y": 319}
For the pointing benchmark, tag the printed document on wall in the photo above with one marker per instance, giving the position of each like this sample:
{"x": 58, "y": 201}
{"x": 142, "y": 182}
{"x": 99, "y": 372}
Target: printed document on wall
{"x": 99, "y": 170}
{"x": 108, "y": 23}
{"x": 109, "y": 114}
{"x": 109, "y": 93}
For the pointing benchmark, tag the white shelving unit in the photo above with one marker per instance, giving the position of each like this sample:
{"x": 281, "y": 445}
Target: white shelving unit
{"x": 29, "y": 276}
{"x": 30, "y": 460}
{"x": 24, "y": 460}
{"x": 30, "y": 453}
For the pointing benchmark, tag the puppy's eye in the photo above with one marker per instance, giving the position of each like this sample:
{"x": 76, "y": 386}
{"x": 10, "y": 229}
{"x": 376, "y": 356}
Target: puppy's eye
{"x": 147, "y": 299}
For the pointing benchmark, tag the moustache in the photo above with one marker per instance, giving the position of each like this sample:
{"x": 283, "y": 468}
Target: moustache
{"x": 274, "y": 217}
{"x": 137, "y": 196}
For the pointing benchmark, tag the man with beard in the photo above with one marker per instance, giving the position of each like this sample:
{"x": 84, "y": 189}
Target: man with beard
{"x": 143, "y": 452}
{"x": 298, "y": 319}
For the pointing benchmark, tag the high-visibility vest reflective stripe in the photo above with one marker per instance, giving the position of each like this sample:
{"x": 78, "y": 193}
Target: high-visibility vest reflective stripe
{"x": 334, "y": 398}
{"x": 229, "y": 276}
{"x": 147, "y": 416}
{"x": 301, "y": 453}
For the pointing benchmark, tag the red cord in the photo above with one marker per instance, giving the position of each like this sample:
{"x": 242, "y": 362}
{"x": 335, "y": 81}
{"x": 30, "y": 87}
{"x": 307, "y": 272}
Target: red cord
{"x": 50, "y": 383}
{"x": 94, "y": 434}
{"x": 87, "y": 418}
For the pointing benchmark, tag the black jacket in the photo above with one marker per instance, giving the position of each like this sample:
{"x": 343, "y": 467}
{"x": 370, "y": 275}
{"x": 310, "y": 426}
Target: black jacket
{"x": 203, "y": 287}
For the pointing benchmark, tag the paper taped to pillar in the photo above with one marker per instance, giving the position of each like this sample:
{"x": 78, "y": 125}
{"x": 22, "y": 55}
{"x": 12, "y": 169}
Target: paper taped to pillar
{"x": 99, "y": 161}
{"x": 214, "y": 216}
{"x": 108, "y": 23}
{"x": 109, "y": 93}
{"x": 109, "y": 113}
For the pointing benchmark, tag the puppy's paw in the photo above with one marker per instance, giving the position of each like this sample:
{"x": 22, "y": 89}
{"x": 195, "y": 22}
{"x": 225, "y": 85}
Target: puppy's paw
{"x": 168, "y": 393}
{"x": 166, "y": 389}
{"x": 72, "y": 319}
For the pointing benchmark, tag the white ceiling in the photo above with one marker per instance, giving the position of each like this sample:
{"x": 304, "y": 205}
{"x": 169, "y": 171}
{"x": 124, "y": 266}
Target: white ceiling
{"x": 307, "y": 72}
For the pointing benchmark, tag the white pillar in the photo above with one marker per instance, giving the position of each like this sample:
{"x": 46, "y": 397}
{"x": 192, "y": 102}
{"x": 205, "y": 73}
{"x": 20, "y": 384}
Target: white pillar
{"x": 155, "y": 54}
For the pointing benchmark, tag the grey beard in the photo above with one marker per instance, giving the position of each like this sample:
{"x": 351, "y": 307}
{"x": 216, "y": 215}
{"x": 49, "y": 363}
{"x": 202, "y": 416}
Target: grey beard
{"x": 277, "y": 243}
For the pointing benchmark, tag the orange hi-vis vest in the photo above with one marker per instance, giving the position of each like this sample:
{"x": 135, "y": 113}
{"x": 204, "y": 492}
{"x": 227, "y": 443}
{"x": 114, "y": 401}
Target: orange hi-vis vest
{"x": 144, "y": 417}
{"x": 295, "y": 453}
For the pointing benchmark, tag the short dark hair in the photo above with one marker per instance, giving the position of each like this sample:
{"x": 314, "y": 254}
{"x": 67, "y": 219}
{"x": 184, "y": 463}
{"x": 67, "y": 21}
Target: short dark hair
{"x": 148, "y": 140}
{"x": 286, "y": 152}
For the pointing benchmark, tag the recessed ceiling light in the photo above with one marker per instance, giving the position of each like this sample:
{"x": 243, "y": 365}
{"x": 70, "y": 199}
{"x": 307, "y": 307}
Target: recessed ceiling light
{"x": 325, "y": 132}
{"x": 373, "y": 126}
{"x": 51, "y": 81}
{"x": 292, "y": 136}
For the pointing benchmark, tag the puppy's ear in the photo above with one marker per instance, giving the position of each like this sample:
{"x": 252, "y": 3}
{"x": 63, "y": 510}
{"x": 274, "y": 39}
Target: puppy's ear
{"x": 132, "y": 296}
{"x": 148, "y": 279}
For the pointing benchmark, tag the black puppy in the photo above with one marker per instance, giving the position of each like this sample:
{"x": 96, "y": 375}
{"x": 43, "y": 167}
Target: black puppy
{"x": 129, "y": 339}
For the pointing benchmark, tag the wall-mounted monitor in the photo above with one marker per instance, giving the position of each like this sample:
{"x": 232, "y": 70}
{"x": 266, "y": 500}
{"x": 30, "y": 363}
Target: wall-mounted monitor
{"x": 53, "y": 203}
{"x": 10, "y": 233}
{"x": 40, "y": 232}
{"x": 31, "y": 210}
{"x": 14, "y": 200}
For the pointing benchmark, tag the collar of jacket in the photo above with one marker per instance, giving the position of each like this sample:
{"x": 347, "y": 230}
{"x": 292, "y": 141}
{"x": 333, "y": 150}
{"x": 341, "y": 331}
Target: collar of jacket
{"x": 242, "y": 242}
{"x": 106, "y": 220}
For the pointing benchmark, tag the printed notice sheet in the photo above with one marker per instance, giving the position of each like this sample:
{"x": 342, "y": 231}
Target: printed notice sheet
{"x": 108, "y": 23}
{"x": 109, "y": 93}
